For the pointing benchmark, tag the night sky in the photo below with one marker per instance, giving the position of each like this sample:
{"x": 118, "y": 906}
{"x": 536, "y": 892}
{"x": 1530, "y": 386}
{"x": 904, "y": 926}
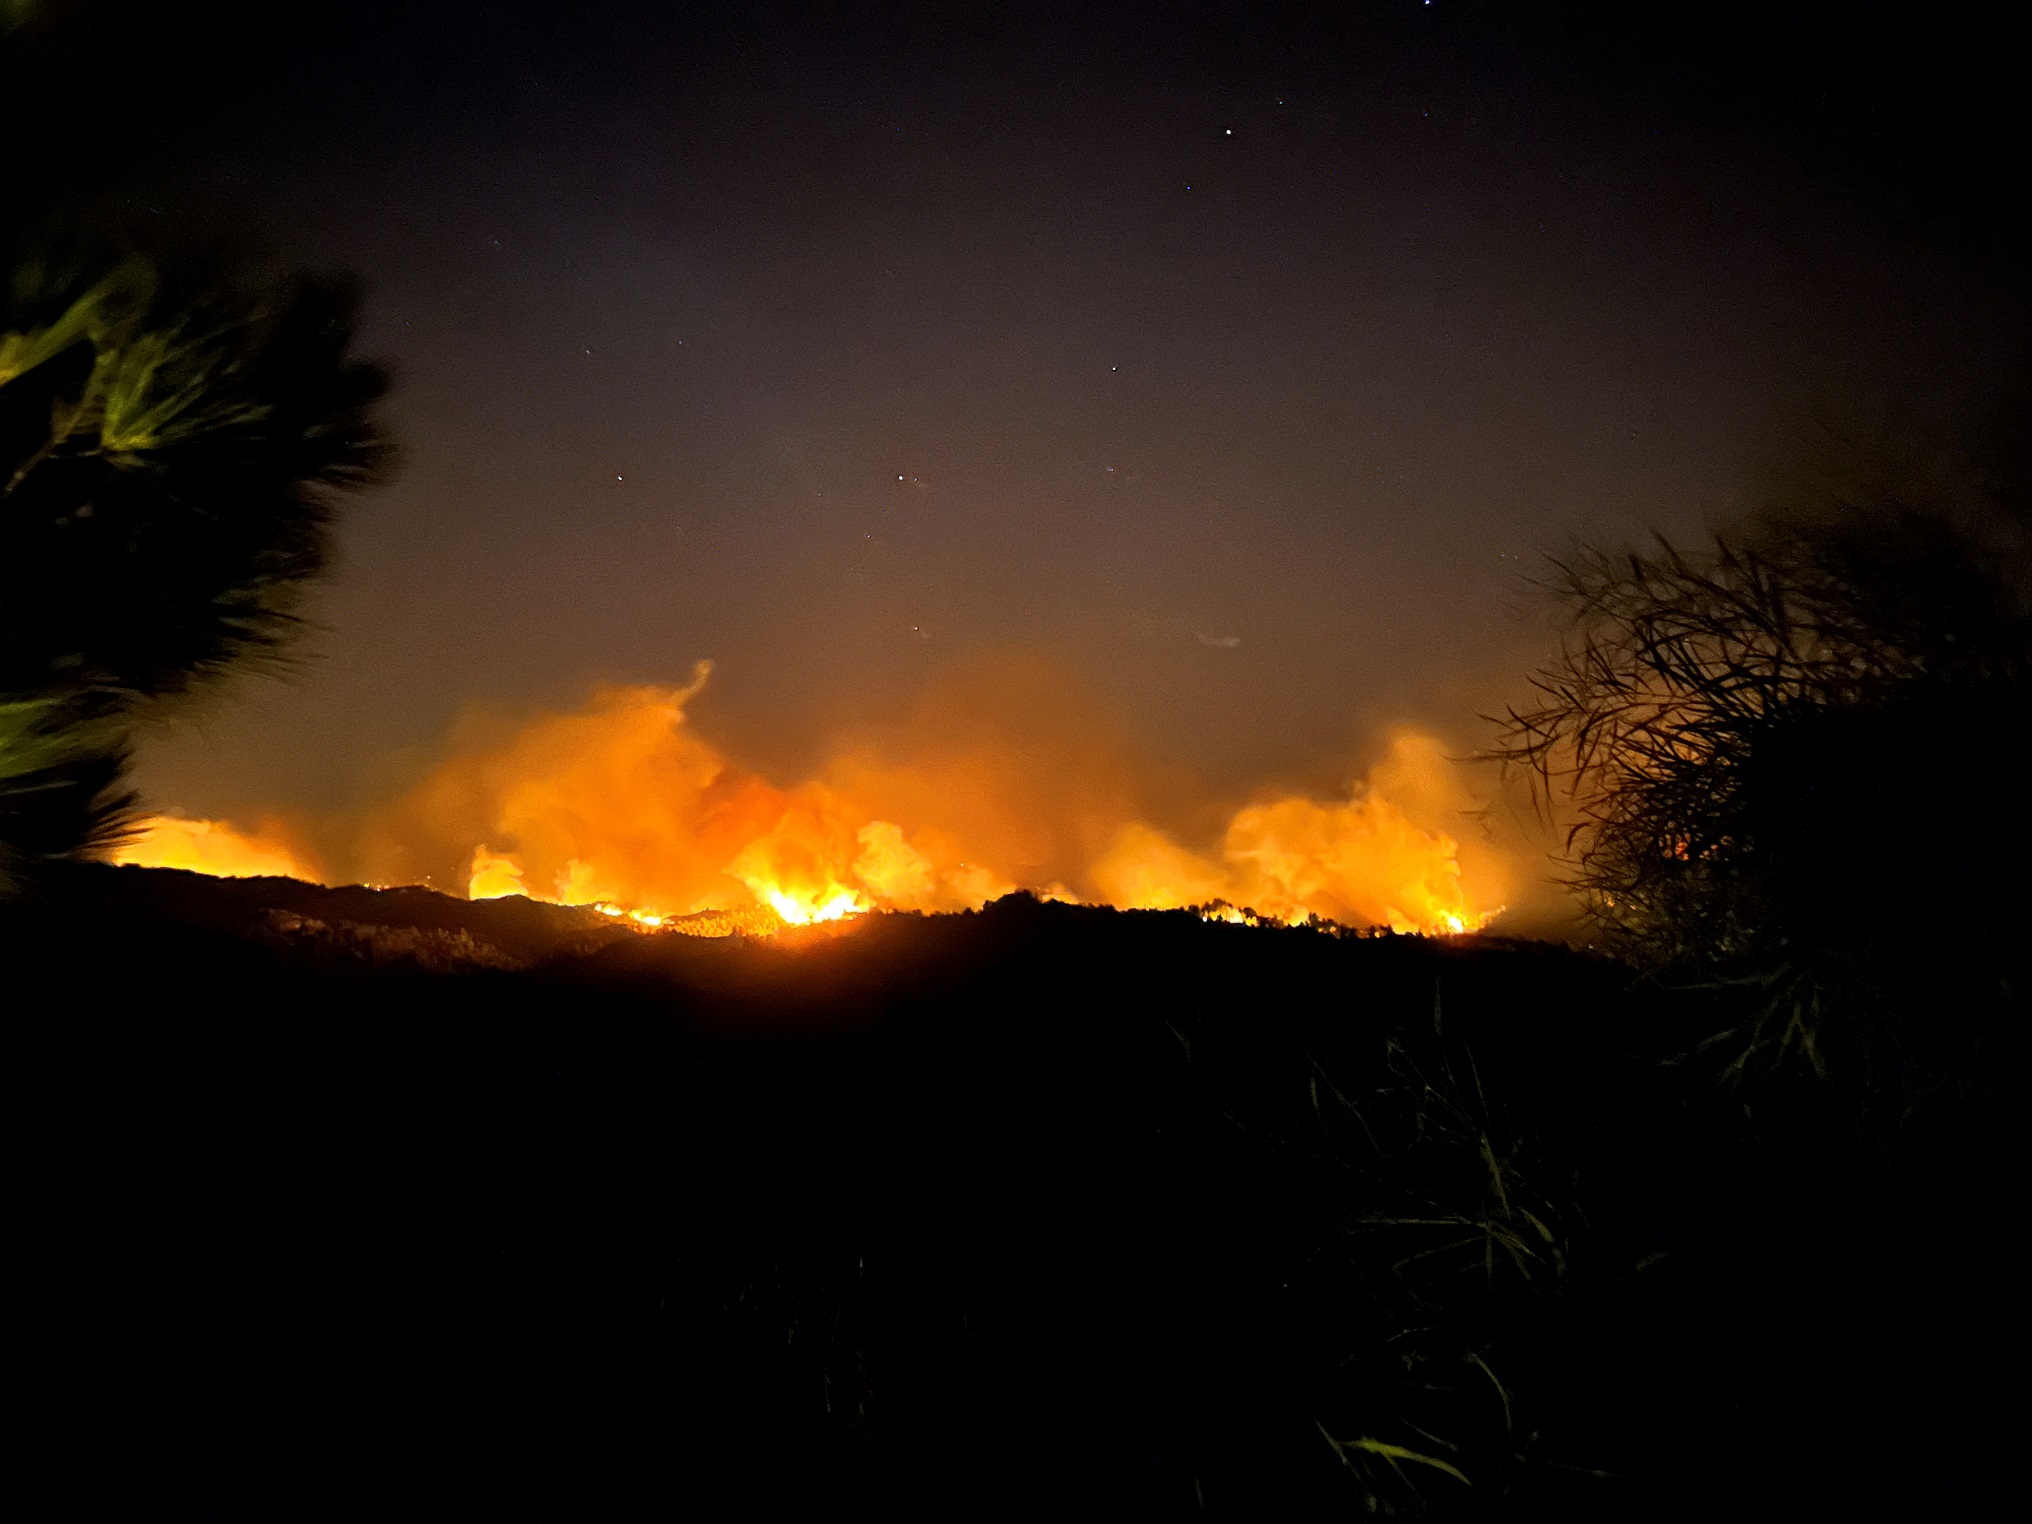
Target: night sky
{"x": 1241, "y": 360}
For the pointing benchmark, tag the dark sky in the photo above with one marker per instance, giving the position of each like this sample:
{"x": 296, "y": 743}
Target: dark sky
{"x": 1242, "y": 358}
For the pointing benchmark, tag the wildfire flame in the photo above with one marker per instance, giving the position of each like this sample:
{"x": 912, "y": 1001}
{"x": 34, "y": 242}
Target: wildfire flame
{"x": 1003, "y": 782}
{"x": 216, "y": 847}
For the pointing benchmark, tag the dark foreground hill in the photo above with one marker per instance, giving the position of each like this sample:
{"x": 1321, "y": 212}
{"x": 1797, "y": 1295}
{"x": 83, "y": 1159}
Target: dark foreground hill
{"x": 349, "y": 1203}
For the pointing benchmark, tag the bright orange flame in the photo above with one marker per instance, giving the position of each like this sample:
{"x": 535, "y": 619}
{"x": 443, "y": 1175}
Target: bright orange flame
{"x": 1361, "y": 862}
{"x": 209, "y": 846}
{"x": 1004, "y": 780}
{"x": 495, "y": 877}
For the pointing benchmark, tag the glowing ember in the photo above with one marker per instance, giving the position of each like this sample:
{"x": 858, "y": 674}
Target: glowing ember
{"x": 1003, "y": 783}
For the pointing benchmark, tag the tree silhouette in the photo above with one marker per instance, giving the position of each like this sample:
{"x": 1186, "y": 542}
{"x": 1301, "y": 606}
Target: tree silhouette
{"x": 172, "y": 443}
{"x": 1796, "y": 760}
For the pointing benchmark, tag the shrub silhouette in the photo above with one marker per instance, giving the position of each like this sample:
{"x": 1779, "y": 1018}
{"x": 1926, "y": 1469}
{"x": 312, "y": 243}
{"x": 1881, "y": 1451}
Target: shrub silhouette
{"x": 172, "y": 441}
{"x": 1784, "y": 753}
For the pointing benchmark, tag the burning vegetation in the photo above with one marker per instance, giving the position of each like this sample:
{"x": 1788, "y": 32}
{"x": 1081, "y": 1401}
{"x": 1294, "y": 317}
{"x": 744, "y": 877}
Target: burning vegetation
{"x": 999, "y": 783}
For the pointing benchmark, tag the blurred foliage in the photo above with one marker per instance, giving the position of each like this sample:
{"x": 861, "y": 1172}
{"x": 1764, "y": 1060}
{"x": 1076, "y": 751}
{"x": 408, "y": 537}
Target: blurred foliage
{"x": 173, "y": 439}
{"x": 1461, "y": 1257}
{"x": 1788, "y": 752}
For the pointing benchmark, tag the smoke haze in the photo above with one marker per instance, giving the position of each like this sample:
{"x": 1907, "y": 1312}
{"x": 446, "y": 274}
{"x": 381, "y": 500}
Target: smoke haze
{"x": 1007, "y": 773}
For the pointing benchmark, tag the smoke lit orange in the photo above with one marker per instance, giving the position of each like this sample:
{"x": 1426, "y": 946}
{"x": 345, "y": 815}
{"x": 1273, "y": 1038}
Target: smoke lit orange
{"x": 216, "y": 847}
{"x": 1004, "y": 781}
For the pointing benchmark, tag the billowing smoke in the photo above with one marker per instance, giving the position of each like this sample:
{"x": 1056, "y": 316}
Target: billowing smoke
{"x": 1005, "y": 776}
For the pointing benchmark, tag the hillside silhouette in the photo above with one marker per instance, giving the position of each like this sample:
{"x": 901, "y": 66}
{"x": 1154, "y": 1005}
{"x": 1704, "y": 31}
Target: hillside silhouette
{"x": 350, "y": 1200}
